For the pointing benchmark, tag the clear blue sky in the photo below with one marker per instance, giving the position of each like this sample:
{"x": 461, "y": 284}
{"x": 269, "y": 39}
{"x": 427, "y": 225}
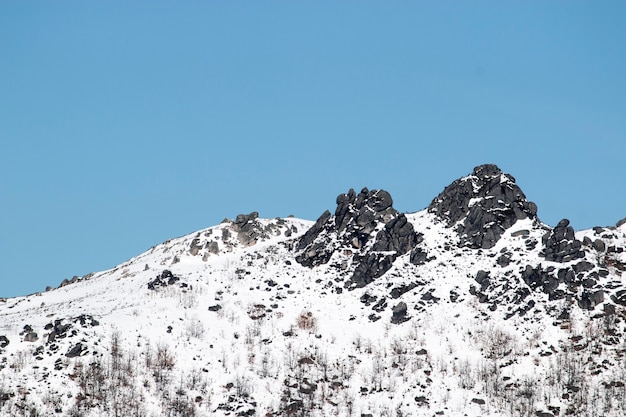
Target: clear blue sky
{"x": 125, "y": 123}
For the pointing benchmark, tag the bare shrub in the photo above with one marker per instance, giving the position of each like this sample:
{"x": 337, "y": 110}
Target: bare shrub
{"x": 195, "y": 329}
{"x": 306, "y": 321}
{"x": 165, "y": 358}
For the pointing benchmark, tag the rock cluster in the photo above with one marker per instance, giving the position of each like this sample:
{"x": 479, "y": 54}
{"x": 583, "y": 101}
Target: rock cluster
{"x": 250, "y": 230}
{"x": 247, "y": 228}
{"x": 482, "y": 206}
{"x": 577, "y": 282}
{"x": 399, "y": 314}
{"x": 164, "y": 279}
{"x": 365, "y": 225}
{"x": 560, "y": 245}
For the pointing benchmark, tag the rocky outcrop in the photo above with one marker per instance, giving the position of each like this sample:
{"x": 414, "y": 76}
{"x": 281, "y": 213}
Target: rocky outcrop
{"x": 313, "y": 246}
{"x": 398, "y": 235}
{"x": 482, "y": 206}
{"x": 164, "y": 279}
{"x": 365, "y": 225}
{"x": 247, "y": 228}
{"x": 399, "y": 313}
{"x": 560, "y": 245}
{"x": 77, "y": 350}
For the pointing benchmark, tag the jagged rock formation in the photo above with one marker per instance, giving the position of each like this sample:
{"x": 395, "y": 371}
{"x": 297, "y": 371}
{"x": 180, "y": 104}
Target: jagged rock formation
{"x": 368, "y": 228}
{"x": 482, "y": 206}
{"x": 560, "y": 245}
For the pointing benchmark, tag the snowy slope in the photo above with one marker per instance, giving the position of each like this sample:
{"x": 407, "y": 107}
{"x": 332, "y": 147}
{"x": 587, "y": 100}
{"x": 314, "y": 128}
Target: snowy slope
{"x": 469, "y": 307}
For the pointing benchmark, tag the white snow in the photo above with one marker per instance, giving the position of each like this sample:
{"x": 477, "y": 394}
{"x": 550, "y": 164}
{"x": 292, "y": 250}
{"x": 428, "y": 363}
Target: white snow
{"x": 285, "y": 333}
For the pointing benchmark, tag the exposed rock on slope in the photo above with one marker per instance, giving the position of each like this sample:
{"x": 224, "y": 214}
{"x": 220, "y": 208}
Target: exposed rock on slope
{"x": 560, "y": 245}
{"x": 482, "y": 206}
{"x": 365, "y": 230}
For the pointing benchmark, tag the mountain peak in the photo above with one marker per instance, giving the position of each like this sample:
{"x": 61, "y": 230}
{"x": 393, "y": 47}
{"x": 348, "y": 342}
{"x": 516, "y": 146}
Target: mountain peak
{"x": 482, "y": 206}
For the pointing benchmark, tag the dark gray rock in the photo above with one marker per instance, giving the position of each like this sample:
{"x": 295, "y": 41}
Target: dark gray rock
{"x": 369, "y": 267}
{"x": 482, "y": 277}
{"x": 560, "y": 245}
{"x": 398, "y": 235}
{"x": 599, "y": 245}
{"x": 314, "y": 244}
{"x": 194, "y": 247}
{"x": 540, "y": 278}
{"x": 4, "y": 342}
{"x": 243, "y": 220}
{"x": 504, "y": 260}
{"x": 583, "y": 266}
{"x": 353, "y": 228}
{"x": 77, "y": 350}
{"x": 519, "y": 233}
{"x": 421, "y": 400}
{"x": 368, "y": 299}
{"x": 418, "y": 256}
{"x": 58, "y": 330}
{"x": 619, "y": 297}
{"x": 589, "y": 282}
{"x": 568, "y": 276}
{"x": 164, "y": 279}
{"x": 86, "y": 320}
{"x": 399, "y": 313}
{"x": 486, "y": 203}
{"x": 396, "y": 292}
{"x": 589, "y": 299}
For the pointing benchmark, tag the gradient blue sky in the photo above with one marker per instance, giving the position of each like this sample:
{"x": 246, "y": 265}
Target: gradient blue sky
{"x": 125, "y": 123}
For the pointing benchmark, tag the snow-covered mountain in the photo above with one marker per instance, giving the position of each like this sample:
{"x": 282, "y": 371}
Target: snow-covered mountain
{"x": 470, "y": 307}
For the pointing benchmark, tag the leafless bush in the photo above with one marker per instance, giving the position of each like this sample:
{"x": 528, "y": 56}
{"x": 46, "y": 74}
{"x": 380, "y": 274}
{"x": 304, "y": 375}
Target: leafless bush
{"x": 163, "y": 365}
{"x": 195, "y": 328}
{"x": 499, "y": 344}
{"x": 306, "y": 321}
{"x": 467, "y": 377}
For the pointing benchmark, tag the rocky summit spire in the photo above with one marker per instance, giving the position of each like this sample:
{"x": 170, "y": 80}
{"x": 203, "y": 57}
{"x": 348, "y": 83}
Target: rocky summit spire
{"x": 482, "y": 206}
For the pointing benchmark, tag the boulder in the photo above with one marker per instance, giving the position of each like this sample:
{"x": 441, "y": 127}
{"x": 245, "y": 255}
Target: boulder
{"x": 399, "y": 313}
{"x": 76, "y": 350}
{"x": 482, "y": 277}
{"x": 31, "y": 337}
{"x": 599, "y": 245}
{"x": 589, "y": 299}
